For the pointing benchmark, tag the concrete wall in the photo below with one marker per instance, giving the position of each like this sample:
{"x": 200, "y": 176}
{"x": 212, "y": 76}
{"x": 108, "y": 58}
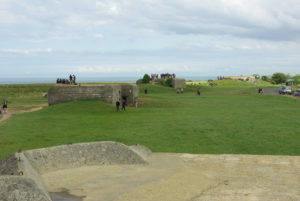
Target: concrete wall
{"x": 108, "y": 92}
{"x": 130, "y": 92}
{"x": 82, "y": 154}
{"x": 20, "y": 173}
{"x": 178, "y": 83}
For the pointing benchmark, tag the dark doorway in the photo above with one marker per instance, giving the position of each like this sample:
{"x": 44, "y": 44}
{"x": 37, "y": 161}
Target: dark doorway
{"x": 124, "y": 98}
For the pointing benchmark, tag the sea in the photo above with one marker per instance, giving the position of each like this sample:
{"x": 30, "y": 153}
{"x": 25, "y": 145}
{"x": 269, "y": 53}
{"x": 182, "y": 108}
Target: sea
{"x": 36, "y": 80}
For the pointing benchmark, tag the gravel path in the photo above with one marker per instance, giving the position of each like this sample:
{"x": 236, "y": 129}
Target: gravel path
{"x": 274, "y": 91}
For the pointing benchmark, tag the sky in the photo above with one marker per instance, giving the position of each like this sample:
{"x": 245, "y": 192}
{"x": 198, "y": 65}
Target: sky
{"x": 133, "y": 37}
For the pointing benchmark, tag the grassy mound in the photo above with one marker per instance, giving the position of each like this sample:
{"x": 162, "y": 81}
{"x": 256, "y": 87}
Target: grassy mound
{"x": 226, "y": 119}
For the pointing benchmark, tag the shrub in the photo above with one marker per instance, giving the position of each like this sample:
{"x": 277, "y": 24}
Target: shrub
{"x": 169, "y": 82}
{"x": 139, "y": 81}
{"x": 265, "y": 78}
{"x": 296, "y": 79}
{"x": 160, "y": 81}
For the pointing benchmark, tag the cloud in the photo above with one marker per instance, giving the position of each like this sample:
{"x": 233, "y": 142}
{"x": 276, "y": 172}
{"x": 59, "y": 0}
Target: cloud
{"x": 150, "y": 35}
{"x": 260, "y": 19}
{"x": 98, "y": 35}
{"x": 142, "y": 68}
{"x": 26, "y": 51}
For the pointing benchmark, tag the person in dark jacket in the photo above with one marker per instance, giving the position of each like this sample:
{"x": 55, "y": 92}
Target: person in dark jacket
{"x": 123, "y": 105}
{"x": 118, "y": 106}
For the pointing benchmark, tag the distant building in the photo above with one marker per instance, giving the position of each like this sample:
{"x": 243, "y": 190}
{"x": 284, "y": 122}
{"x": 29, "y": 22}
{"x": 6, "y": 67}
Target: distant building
{"x": 167, "y": 75}
{"x": 110, "y": 93}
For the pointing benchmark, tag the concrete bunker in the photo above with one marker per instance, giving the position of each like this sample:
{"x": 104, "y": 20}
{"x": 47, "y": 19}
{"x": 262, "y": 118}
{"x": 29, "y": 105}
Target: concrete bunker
{"x": 20, "y": 173}
{"x": 178, "y": 83}
{"x": 106, "y": 92}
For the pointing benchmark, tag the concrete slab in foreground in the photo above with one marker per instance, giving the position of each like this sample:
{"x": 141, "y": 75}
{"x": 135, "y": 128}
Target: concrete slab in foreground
{"x": 110, "y": 171}
{"x": 185, "y": 177}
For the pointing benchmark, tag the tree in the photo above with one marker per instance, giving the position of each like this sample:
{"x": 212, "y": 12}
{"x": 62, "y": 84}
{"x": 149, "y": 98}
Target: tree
{"x": 146, "y": 79}
{"x": 278, "y": 78}
{"x": 265, "y": 78}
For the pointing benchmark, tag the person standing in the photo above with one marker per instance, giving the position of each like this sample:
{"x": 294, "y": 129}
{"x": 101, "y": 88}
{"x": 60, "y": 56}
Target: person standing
{"x": 198, "y": 91}
{"x": 124, "y": 105}
{"x": 118, "y": 105}
{"x": 4, "y": 106}
{"x": 74, "y": 79}
{"x": 146, "y": 91}
{"x": 71, "y": 79}
{"x": 181, "y": 90}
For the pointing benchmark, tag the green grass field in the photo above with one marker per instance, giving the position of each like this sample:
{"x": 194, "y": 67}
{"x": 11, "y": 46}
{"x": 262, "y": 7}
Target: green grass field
{"x": 228, "y": 119}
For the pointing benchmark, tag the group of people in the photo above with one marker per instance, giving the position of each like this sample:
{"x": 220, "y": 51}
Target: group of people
{"x": 167, "y": 75}
{"x": 71, "y": 80}
{"x": 4, "y": 107}
{"x": 179, "y": 91}
{"x": 220, "y": 77}
{"x": 118, "y": 103}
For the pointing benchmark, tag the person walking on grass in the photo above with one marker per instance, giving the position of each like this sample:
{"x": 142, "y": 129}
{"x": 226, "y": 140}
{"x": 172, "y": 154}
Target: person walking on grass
{"x": 118, "y": 105}
{"x": 4, "y": 106}
{"x": 146, "y": 91}
{"x": 198, "y": 91}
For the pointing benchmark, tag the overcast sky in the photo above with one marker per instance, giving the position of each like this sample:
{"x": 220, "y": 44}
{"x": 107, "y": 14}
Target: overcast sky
{"x": 133, "y": 37}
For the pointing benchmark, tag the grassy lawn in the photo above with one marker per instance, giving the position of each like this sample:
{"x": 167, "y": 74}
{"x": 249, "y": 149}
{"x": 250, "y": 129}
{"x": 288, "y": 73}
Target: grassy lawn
{"x": 23, "y": 96}
{"x": 228, "y": 119}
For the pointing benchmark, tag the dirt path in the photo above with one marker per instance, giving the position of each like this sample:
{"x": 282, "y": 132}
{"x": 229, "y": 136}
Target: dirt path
{"x": 5, "y": 116}
{"x": 9, "y": 114}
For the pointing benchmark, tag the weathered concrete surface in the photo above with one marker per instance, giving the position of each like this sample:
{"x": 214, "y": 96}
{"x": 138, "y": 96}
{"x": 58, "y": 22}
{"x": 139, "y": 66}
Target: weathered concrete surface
{"x": 185, "y": 177}
{"x": 178, "y": 83}
{"x": 82, "y": 154}
{"x": 106, "y": 92}
{"x": 16, "y": 188}
{"x": 18, "y": 164}
{"x": 111, "y": 171}
{"x": 28, "y": 165}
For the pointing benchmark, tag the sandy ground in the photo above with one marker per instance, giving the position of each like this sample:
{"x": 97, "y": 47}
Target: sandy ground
{"x": 185, "y": 177}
